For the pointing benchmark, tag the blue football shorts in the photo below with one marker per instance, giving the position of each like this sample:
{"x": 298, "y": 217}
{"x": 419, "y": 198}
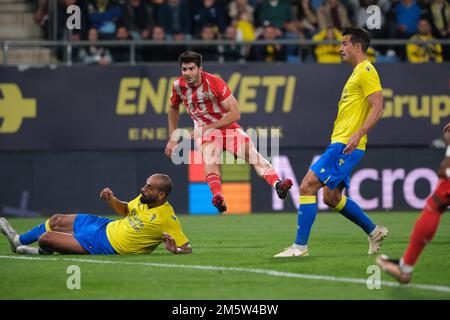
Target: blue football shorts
{"x": 90, "y": 232}
{"x": 334, "y": 167}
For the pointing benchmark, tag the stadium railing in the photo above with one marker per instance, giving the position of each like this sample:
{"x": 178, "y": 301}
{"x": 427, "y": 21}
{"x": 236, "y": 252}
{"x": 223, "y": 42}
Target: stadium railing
{"x": 68, "y": 46}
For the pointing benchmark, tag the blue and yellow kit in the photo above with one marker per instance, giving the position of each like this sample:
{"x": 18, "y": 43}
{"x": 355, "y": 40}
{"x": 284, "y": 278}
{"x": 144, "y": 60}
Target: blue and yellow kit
{"x": 142, "y": 229}
{"x": 354, "y": 107}
{"x": 139, "y": 232}
{"x": 334, "y": 167}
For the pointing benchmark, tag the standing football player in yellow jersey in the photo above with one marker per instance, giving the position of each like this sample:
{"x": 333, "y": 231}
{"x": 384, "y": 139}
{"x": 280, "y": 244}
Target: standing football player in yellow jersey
{"x": 360, "y": 108}
{"x": 148, "y": 221}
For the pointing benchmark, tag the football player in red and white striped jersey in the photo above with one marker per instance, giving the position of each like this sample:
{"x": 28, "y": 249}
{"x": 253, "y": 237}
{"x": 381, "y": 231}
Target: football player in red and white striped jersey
{"x": 215, "y": 113}
{"x": 426, "y": 225}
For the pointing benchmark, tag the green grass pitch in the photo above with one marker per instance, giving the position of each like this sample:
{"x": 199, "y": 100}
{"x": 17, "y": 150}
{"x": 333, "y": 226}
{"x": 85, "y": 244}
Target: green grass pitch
{"x": 233, "y": 259}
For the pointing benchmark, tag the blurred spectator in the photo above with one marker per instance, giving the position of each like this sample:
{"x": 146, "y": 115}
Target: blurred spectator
{"x": 159, "y": 52}
{"x": 44, "y": 18}
{"x": 245, "y": 31}
{"x": 360, "y": 15}
{"x": 333, "y": 14}
{"x": 41, "y": 16}
{"x": 306, "y": 17}
{"x": 275, "y": 12}
{"x": 315, "y": 4}
{"x": 175, "y": 17}
{"x": 328, "y": 53}
{"x": 194, "y": 8}
{"x": 293, "y": 31}
{"x": 372, "y": 55}
{"x": 103, "y": 15}
{"x": 232, "y": 52}
{"x": 268, "y": 52}
{"x": 94, "y": 54}
{"x": 137, "y": 18}
{"x": 360, "y": 18}
{"x": 245, "y": 28}
{"x": 407, "y": 14}
{"x": 350, "y": 9}
{"x": 423, "y": 49}
{"x": 438, "y": 13}
{"x": 178, "y": 49}
{"x": 238, "y": 7}
{"x": 209, "y": 52}
{"x": 122, "y": 53}
{"x": 211, "y": 13}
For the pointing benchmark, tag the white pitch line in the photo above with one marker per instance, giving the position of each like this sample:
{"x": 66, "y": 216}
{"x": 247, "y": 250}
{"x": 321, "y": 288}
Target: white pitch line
{"x": 267, "y": 272}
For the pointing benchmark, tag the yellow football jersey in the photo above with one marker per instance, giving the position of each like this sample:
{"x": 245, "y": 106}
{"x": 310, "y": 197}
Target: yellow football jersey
{"x": 142, "y": 229}
{"x": 354, "y": 106}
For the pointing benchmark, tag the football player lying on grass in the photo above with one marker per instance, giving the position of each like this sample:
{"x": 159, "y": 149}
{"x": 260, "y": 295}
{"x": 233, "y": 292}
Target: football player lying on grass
{"x": 148, "y": 220}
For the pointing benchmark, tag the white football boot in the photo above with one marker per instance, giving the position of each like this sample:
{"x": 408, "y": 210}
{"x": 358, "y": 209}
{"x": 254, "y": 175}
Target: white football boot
{"x": 10, "y": 234}
{"x": 376, "y": 238}
{"x": 294, "y": 250}
{"x": 27, "y": 250}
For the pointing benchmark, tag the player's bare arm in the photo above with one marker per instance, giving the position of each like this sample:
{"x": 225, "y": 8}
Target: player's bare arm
{"x": 232, "y": 114}
{"x": 120, "y": 207}
{"x": 376, "y": 102}
{"x": 171, "y": 245}
{"x": 174, "y": 116}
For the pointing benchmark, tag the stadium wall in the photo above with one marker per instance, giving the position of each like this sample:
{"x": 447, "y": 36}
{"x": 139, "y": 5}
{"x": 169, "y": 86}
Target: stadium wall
{"x": 54, "y": 182}
{"x": 67, "y": 132}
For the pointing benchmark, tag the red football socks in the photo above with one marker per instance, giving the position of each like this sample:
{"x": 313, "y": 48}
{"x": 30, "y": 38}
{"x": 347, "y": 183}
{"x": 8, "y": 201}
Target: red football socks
{"x": 424, "y": 230}
{"x": 214, "y": 183}
{"x": 271, "y": 177}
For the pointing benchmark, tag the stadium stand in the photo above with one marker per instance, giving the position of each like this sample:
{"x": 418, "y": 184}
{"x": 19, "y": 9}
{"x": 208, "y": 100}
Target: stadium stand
{"x": 297, "y": 23}
{"x": 17, "y": 22}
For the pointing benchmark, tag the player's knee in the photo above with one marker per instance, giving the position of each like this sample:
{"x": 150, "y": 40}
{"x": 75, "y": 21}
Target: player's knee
{"x": 306, "y": 188}
{"x": 303, "y": 188}
{"x": 330, "y": 201}
{"x": 44, "y": 240}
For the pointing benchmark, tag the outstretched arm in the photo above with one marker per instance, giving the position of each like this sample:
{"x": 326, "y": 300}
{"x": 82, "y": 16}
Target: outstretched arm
{"x": 174, "y": 116}
{"x": 120, "y": 207}
{"x": 376, "y": 102}
{"x": 171, "y": 245}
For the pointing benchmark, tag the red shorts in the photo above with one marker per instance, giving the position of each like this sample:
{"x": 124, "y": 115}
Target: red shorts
{"x": 229, "y": 139}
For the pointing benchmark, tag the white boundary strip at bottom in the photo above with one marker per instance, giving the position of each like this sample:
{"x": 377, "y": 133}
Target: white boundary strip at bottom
{"x": 273, "y": 273}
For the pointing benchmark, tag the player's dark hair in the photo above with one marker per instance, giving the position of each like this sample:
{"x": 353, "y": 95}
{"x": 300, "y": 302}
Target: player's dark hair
{"x": 358, "y": 35}
{"x": 165, "y": 184}
{"x": 189, "y": 57}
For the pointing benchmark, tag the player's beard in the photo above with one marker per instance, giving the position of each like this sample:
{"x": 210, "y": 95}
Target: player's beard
{"x": 193, "y": 79}
{"x": 147, "y": 200}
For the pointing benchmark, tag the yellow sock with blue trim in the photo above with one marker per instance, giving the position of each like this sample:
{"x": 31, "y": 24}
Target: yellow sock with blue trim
{"x": 34, "y": 234}
{"x": 353, "y": 212}
{"x": 307, "y": 212}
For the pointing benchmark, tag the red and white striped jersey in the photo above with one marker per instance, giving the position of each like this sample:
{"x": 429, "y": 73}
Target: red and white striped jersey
{"x": 203, "y": 103}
